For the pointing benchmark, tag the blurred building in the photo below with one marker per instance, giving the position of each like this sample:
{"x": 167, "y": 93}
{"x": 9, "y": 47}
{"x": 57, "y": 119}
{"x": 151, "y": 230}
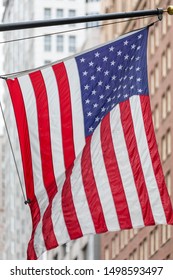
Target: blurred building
{"x": 2, "y": 198}
{"x": 24, "y": 55}
{"x": 151, "y": 242}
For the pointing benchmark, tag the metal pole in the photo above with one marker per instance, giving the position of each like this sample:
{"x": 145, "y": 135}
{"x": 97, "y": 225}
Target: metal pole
{"x": 55, "y": 22}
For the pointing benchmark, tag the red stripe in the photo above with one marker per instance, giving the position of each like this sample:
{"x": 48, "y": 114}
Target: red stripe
{"x": 134, "y": 158}
{"x": 66, "y": 113}
{"x": 46, "y": 154}
{"x": 68, "y": 207}
{"x": 91, "y": 189}
{"x": 155, "y": 158}
{"x": 69, "y": 211}
{"x": 114, "y": 175}
{"x": 23, "y": 132}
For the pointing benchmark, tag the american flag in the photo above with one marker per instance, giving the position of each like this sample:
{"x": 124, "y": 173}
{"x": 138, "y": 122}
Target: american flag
{"x": 88, "y": 148}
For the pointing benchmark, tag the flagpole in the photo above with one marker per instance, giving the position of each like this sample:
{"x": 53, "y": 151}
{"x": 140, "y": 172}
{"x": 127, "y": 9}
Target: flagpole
{"x": 83, "y": 19}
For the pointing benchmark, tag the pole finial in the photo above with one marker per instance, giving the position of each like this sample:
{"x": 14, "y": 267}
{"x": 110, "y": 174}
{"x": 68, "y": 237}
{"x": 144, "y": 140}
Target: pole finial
{"x": 170, "y": 10}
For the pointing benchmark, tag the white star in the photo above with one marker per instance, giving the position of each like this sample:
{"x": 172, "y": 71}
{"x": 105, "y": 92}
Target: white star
{"x": 97, "y": 54}
{"x": 126, "y": 43}
{"x": 115, "y": 89}
{"x": 106, "y": 73}
{"x": 132, "y": 57}
{"x": 93, "y": 78}
{"x": 103, "y": 109}
{"x": 99, "y": 69}
{"x": 140, "y": 36}
{"x": 87, "y": 101}
{"x": 85, "y": 73}
{"x": 113, "y": 78}
{"x": 131, "y": 68}
{"x": 95, "y": 105}
{"x": 94, "y": 92}
{"x": 101, "y": 96}
{"x": 132, "y": 87}
{"x": 133, "y": 46}
{"x": 131, "y": 77}
{"x": 119, "y": 52}
{"x": 126, "y": 57}
{"x": 97, "y": 119}
{"x": 91, "y": 129}
{"x": 124, "y": 87}
{"x": 89, "y": 114}
{"x": 119, "y": 95}
{"x": 126, "y": 95}
{"x": 109, "y": 99}
{"x": 86, "y": 87}
{"x": 121, "y": 79}
{"x": 125, "y": 77}
{"x": 82, "y": 59}
{"x": 112, "y": 63}
{"x": 138, "y": 69}
{"x": 119, "y": 87}
{"x": 105, "y": 58}
{"x": 107, "y": 87}
{"x": 138, "y": 79}
{"x": 111, "y": 49}
{"x": 137, "y": 58}
{"x": 138, "y": 48}
{"x": 100, "y": 83}
{"x": 91, "y": 63}
{"x": 120, "y": 67}
{"x": 140, "y": 90}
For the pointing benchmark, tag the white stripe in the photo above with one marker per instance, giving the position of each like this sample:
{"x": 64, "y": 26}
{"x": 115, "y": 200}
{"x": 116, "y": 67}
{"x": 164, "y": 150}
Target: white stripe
{"x": 40, "y": 192}
{"x": 59, "y": 224}
{"x": 125, "y": 168}
{"x": 60, "y": 229}
{"x": 80, "y": 199}
{"x": 146, "y": 163}
{"x": 102, "y": 182}
{"x": 55, "y": 120}
{"x": 76, "y": 103}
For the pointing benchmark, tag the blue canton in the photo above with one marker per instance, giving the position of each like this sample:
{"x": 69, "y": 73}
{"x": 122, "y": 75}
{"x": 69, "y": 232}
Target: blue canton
{"x": 112, "y": 74}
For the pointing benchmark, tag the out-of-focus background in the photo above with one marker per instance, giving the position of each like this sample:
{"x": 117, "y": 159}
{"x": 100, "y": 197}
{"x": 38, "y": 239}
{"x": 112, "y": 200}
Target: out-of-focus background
{"x": 15, "y": 223}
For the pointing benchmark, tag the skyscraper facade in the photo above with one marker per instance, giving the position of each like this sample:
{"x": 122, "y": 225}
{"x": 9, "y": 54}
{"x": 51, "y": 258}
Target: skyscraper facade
{"x": 153, "y": 242}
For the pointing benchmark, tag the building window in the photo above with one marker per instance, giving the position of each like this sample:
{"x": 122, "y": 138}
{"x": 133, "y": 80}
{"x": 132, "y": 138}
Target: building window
{"x": 106, "y": 253}
{"x": 166, "y": 233}
{"x": 168, "y": 57}
{"x": 72, "y": 13}
{"x": 47, "y": 43}
{"x": 168, "y": 100}
{"x": 152, "y": 43}
{"x": 164, "y": 68}
{"x": 143, "y": 250}
{"x": 60, "y": 43}
{"x": 164, "y": 107}
{"x": 47, "y": 13}
{"x": 154, "y": 241}
{"x": 72, "y": 43}
{"x": 166, "y": 103}
{"x": 59, "y": 13}
{"x": 133, "y": 255}
{"x": 168, "y": 181}
{"x": 156, "y": 117}
{"x": 163, "y": 143}
{"x": 152, "y": 82}
{"x": 157, "y": 35}
{"x": 168, "y": 142}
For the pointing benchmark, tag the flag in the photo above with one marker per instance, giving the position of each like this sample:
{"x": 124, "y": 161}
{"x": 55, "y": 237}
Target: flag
{"x": 88, "y": 148}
